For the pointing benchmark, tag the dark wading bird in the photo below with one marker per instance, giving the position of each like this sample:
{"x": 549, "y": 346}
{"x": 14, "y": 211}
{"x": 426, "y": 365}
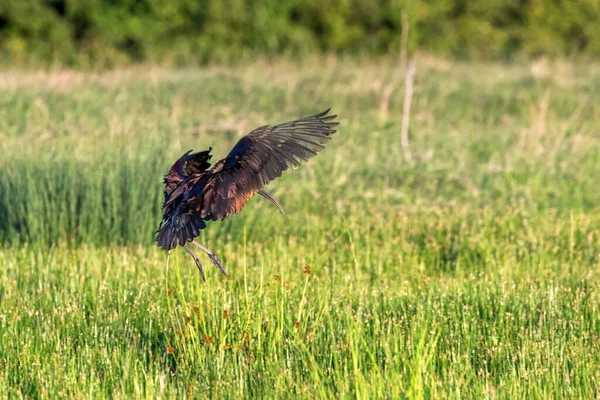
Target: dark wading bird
{"x": 195, "y": 194}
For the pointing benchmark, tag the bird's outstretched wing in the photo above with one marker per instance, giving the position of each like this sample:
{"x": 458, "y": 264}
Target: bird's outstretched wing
{"x": 260, "y": 157}
{"x": 186, "y": 165}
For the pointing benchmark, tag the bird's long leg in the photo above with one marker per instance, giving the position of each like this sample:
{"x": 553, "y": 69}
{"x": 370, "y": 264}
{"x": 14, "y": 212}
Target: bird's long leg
{"x": 268, "y": 196}
{"x": 212, "y": 256}
{"x": 197, "y": 260}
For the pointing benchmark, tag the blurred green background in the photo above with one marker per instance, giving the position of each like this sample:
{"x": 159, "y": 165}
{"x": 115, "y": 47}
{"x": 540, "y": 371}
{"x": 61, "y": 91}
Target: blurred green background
{"x": 101, "y": 33}
{"x": 469, "y": 269}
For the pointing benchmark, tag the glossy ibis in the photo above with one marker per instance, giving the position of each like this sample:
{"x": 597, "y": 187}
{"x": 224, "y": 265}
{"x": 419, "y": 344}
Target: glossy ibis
{"x": 195, "y": 194}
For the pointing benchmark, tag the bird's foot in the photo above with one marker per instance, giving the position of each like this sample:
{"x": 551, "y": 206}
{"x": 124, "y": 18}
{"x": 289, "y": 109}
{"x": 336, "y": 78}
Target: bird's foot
{"x": 197, "y": 260}
{"x": 218, "y": 263}
{"x": 199, "y": 265}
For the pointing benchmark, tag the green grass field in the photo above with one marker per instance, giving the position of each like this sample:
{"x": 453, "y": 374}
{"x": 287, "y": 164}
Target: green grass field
{"x": 470, "y": 273}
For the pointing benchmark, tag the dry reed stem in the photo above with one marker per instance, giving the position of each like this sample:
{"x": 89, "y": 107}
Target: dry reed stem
{"x": 408, "y": 93}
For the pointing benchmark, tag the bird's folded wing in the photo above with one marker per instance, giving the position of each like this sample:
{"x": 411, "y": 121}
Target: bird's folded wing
{"x": 260, "y": 157}
{"x": 186, "y": 165}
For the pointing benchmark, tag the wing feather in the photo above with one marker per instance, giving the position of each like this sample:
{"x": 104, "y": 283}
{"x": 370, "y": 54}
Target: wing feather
{"x": 188, "y": 164}
{"x": 260, "y": 157}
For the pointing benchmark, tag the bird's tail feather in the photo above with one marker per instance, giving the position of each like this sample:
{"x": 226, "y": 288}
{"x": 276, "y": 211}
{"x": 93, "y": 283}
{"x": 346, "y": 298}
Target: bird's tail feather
{"x": 178, "y": 229}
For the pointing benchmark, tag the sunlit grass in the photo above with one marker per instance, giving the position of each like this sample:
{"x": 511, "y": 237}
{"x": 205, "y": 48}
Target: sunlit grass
{"x": 473, "y": 273}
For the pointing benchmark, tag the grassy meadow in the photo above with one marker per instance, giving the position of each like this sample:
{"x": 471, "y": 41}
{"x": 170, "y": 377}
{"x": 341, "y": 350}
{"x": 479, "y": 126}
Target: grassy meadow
{"x": 471, "y": 272}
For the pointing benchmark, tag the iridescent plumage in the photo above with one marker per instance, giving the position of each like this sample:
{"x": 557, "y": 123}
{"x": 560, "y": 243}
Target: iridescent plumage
{"x": 195, "y": 194}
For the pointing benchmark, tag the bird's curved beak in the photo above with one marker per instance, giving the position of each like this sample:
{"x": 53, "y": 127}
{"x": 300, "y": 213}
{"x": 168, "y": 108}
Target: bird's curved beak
{"x": 268, "y": 196}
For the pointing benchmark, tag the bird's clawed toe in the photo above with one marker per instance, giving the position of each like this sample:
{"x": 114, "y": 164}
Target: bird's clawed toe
{"x": 199, "y": 265}
{"x": 212, "y": 256}
{"x": 218, "y": 263}
{"x": 197, "y": 261}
